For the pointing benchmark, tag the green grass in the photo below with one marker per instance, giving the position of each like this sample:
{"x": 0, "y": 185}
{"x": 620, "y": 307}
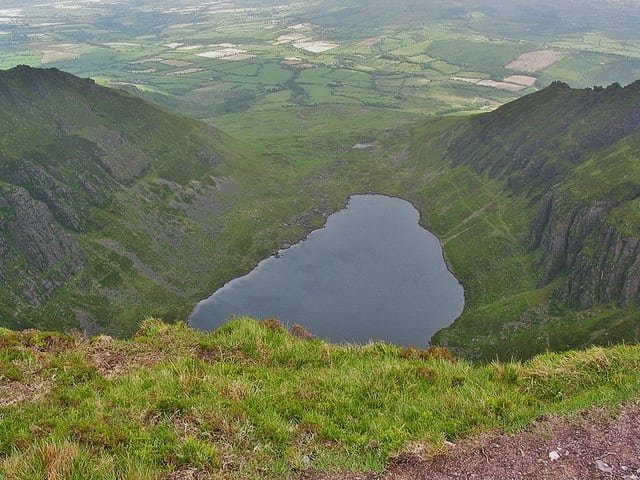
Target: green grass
{"x": 251, "y": 401}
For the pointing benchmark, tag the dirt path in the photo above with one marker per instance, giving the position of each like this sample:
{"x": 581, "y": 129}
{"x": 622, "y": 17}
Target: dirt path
{"x": 595, "y": 444}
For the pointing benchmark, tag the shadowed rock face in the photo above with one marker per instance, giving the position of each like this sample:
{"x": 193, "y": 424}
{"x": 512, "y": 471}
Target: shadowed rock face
{"x": 602, "y": 264}
{"x": 44, "y": 244}
{"x": 35, "y": 231}
{"x": 57, "y": 196}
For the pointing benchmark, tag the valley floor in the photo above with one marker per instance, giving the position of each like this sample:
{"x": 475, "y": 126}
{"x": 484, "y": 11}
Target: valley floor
{"x": 597, "y": 443}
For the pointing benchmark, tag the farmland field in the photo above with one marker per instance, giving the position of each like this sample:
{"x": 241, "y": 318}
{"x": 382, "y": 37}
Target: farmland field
{"x": 535, "y": 61}
{"x": 254, "y": 52}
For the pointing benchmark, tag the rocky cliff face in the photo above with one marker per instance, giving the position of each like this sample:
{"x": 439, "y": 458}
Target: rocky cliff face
{"x": 55, "y": 194}
{"x": 36, "y": 236}
{"x": 602, "y": 265}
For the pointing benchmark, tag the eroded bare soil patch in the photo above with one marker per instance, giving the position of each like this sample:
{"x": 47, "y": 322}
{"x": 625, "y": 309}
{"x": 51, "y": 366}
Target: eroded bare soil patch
{"x": 33, "y": 372}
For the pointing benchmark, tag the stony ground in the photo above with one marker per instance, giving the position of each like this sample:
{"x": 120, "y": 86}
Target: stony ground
{"x": 596, "y": 444}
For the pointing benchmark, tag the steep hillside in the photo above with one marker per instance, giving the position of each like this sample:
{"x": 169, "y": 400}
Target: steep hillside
{"x": 578, "y": 150}
{"x": 537, "y": 140}
{"x": 101, "y": 197}
{"x": 250, "y": 401}
{"x": 567, "y": 160}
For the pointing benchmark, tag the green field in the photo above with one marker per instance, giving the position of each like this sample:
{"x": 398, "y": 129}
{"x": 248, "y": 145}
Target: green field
{"x": 376, "y": 64}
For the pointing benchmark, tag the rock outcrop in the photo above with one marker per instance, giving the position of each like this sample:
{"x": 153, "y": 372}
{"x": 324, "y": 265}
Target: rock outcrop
{"x": 46, "y": 247}
{"x": 602, "y": 265}
{"x": 43, "y": 186}
{"x": 35, "y": 231}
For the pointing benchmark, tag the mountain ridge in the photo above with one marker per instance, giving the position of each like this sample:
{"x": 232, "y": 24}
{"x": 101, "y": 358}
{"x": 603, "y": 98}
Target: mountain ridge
{"x": 75, "y": 156}
{"x": 569, "y": 158}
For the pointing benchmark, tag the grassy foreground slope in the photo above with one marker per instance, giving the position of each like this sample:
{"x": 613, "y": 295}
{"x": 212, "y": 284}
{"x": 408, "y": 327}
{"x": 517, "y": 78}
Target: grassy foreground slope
{"x": 252, "y": 401}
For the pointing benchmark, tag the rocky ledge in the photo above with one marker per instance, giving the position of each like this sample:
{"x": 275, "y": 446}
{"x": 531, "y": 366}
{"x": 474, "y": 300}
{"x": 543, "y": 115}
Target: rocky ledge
{"x": 31, "y": 232}
{"x": 602, "y": 265}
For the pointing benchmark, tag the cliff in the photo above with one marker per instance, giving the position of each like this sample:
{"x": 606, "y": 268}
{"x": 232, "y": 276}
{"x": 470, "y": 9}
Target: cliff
{"x": 601, "y": 263}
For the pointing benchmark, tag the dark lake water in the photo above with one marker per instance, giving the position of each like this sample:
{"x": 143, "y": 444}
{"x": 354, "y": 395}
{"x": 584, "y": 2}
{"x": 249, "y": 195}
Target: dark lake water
{"x": 372, "y": 273}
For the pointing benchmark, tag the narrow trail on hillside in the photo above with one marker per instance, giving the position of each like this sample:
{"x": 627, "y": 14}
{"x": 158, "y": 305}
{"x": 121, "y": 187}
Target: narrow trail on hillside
{"x": 594, "y": 444}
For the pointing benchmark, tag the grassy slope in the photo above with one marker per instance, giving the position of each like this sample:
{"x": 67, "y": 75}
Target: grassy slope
{"x": 251, "y": 401}
{"x": 484, "y": 218}
{"x": 133, "y": 218}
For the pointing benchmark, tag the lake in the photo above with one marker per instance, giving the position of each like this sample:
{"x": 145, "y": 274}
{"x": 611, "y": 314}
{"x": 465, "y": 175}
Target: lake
{"x": 372, "y": 273}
